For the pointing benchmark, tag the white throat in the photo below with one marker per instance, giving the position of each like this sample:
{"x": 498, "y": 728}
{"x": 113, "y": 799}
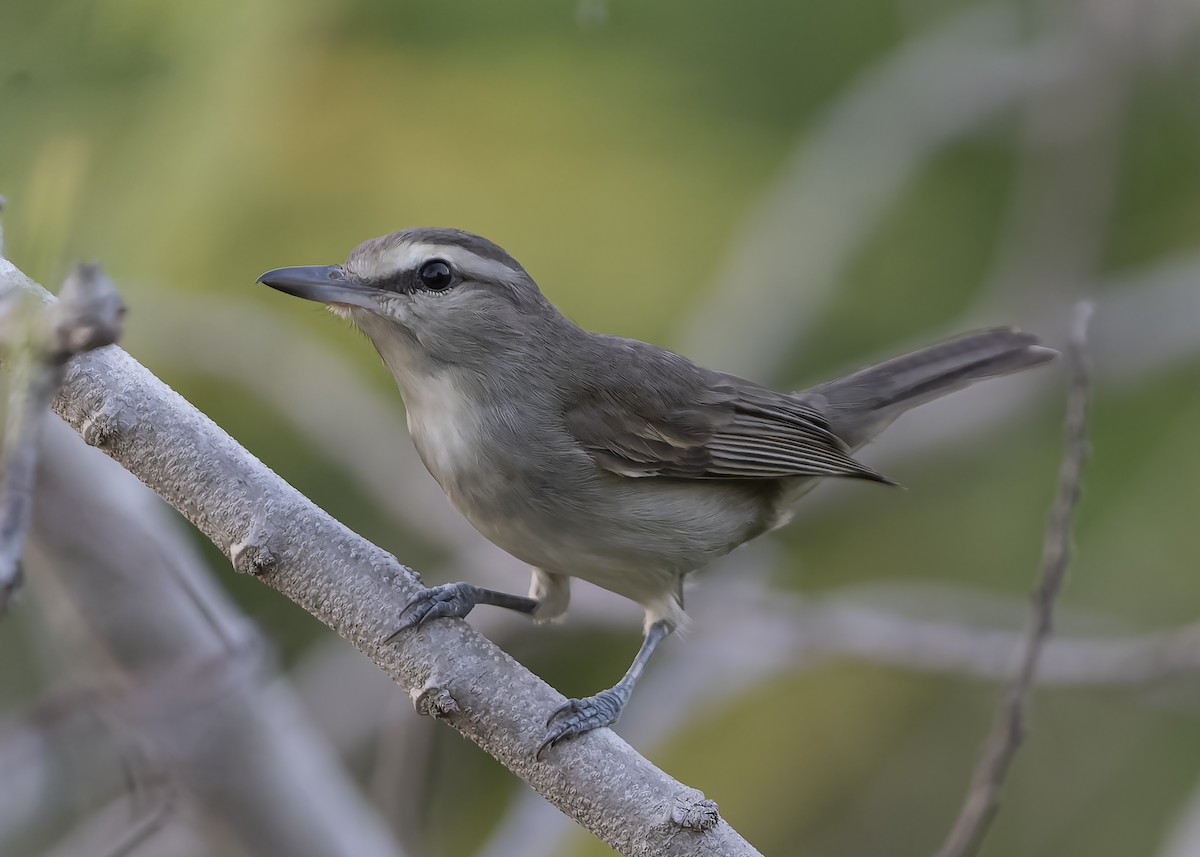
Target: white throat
{"x": 445, "y": 428}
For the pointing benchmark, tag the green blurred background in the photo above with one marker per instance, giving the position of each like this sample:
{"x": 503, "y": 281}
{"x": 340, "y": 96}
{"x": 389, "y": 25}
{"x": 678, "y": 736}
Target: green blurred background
{"x": 787, "y": 190}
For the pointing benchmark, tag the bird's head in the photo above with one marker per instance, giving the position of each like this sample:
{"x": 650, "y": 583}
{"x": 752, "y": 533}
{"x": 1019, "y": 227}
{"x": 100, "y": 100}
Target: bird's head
{"x": 429, "y": 298}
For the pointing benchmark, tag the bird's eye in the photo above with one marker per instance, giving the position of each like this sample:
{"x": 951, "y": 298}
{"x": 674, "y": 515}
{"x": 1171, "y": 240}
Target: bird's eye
{"x": 436, "y": 275}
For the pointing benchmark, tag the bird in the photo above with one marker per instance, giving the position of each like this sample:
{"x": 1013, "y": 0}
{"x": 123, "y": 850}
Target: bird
{"x": 592, "y": 456}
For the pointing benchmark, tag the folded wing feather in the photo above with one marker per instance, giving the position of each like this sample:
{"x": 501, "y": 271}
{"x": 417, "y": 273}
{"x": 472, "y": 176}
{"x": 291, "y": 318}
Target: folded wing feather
{"x": 732, "y": 430}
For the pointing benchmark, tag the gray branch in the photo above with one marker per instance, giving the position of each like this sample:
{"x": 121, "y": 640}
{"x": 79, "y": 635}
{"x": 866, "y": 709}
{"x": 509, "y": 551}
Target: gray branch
{"x": 269, "y": 529}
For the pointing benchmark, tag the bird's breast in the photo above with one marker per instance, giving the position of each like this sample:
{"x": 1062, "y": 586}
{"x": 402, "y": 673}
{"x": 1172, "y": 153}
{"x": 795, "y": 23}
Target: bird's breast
{"x": 446, "y": 431}
{"x": 524, "y": 482}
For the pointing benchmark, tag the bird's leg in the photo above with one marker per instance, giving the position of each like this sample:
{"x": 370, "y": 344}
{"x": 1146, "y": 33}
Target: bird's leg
{"x": 577, "y": 716}
{"x": 552, "y": 593}
{"x": 456, "y": 600}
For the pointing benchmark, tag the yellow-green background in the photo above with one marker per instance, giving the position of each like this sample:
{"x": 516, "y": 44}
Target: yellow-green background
{"x": 190, "y": 146}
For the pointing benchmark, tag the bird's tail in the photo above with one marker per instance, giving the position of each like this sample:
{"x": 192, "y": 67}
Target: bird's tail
{"x": 861, "y": 404}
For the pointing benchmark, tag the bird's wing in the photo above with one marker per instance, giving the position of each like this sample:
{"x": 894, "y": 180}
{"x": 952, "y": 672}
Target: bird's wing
{"x": 727, "y": 429}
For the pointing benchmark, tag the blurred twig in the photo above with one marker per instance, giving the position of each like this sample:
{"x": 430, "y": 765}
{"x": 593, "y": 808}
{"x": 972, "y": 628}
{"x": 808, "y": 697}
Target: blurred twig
{"x": 87, "y": 315}
{"x": 1183, "y": 839}
{"x": 192, "y": 683}
{"x": 149, "y": 823}
{"x": 983, "y": 798}
{"x": 849, "y": 169}
{"x": 1070, "y": 139}
{"x": 110, "y": 832}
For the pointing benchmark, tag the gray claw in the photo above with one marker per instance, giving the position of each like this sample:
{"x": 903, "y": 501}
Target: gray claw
{"x": 577, "y": 716}
{"x": 453, "y": 600}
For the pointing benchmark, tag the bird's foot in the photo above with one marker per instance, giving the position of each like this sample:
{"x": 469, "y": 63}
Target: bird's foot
{"x": 453, "y": 600}
{"x": 577, "y": 716}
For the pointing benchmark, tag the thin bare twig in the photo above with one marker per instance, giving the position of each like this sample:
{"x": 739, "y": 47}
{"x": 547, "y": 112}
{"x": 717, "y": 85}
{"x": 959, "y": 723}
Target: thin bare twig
{"x": 149, "y": 823}
{"x": 987, "y": 780}
{"x": 149, "y": 785}
{"x": 113, "y": 832}
{"x": 86, "y": 316}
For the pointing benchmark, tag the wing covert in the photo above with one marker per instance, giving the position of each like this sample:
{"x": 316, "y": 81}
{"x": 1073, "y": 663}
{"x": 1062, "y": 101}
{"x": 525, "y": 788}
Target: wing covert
{"x": 728, "y": 431}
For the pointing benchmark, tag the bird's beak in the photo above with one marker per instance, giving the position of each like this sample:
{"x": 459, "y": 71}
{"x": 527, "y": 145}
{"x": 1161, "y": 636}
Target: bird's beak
{"x": 327, "y": 284}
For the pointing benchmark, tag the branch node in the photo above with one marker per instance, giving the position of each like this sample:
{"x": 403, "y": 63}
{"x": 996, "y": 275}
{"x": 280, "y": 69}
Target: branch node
{"x": 432, "y": 700}
{"x": 251, "y": 557}
{"x": 692, "y": 810}
{"x": 87, "y": 316}
{"x": 99, "y": 428}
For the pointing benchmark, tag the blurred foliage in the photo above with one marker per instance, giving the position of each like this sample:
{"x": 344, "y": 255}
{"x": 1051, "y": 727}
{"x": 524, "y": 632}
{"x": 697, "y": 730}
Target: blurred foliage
{"x": 617, "y": 154}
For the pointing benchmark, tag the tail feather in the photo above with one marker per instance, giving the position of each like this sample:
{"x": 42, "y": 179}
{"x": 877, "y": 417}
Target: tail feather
{"x": 863, "y": 403}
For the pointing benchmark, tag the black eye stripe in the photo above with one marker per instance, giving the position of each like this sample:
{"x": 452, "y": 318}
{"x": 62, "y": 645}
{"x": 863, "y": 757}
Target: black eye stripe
{"x": 432, "y": 275}
{"x": 421, "y": 279}
{"x": 398, "y": 282}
